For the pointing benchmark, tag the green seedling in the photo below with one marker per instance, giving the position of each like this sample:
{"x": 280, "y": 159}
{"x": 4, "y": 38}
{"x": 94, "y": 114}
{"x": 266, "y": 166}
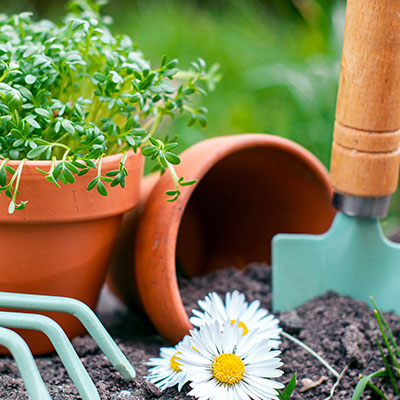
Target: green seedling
{"x": 390, "y": 360}
{"x": 285, "y": 395}
{"x": 74, "y": 93}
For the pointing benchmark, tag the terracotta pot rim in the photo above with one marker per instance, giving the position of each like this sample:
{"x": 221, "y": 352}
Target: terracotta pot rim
{"x": 33, "y": 164}
{"x": 72, "y": 202}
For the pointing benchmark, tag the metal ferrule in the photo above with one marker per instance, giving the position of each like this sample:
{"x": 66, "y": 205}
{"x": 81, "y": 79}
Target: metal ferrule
{"x": 364, "y": 207}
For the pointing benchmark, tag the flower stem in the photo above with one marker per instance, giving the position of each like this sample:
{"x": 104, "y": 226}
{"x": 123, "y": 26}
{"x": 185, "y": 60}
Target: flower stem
{"x": 312, "y": 352}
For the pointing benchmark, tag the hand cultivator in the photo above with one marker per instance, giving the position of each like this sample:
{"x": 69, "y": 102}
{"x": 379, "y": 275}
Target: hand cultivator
{"x": 354, "y": 258}
{"x": 23, "y": 357}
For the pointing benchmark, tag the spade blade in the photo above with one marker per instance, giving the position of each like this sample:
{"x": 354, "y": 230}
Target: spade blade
{"x": 353, "y": 259}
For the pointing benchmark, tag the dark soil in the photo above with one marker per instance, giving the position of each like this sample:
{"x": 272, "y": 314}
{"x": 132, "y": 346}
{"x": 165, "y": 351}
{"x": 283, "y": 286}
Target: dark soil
{"x": 341, "y": 330}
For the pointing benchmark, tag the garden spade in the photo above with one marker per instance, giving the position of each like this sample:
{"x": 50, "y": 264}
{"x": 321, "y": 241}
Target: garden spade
{"x": 354, "y": 258}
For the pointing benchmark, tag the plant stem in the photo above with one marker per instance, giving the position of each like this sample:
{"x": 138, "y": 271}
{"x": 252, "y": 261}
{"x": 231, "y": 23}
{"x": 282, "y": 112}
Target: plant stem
{"x": 174, "y": 175}
{"x": 153, "y": 128}
{"x": 99, "y": 167}
{"x": 312, "y": 352}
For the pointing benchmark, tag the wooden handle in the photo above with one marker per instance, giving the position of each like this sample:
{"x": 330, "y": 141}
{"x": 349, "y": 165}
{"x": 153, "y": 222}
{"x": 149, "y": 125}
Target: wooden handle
{"x": 365, "y": 156}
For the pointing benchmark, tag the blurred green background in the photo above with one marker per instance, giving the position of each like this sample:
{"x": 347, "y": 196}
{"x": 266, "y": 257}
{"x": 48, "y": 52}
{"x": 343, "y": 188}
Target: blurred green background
{"x": 279, "y": 61}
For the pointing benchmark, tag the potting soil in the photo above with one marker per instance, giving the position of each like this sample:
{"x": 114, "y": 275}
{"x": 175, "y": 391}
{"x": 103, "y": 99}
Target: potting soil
{"x": 340, "y": 329}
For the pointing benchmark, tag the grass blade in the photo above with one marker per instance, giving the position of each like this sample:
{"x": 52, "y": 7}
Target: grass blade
{"x": 364, "y": 382}
{"x": 389, "y": 331}
{"x": 289, "y": 389}
{"x": 385, "y": 339}
{"x": 388, "y": 367}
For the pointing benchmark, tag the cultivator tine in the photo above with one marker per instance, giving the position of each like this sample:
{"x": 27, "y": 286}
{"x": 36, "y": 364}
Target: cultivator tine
{"x": 26, "y": 364}
{"x": 61, "y": 343}
{"x": 82, "y": 312}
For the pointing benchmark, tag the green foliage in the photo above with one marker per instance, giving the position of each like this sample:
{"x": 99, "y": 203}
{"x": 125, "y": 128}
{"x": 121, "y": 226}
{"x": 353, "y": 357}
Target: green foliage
{"x": 73, "y": 93}
{"x": 280, "y": 67}
{"x": 285, "y": 395}
{"x": 390, "y": 358}
{"x": 256, "y": 51}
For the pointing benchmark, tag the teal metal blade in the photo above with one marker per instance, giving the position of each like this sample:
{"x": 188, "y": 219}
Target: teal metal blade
{"x": 353, "y": 258}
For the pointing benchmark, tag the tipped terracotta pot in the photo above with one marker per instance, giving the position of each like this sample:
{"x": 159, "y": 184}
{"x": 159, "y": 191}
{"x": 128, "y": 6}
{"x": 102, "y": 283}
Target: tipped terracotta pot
{"x": 61, "y": 243}
{"x": 250, "y": 187}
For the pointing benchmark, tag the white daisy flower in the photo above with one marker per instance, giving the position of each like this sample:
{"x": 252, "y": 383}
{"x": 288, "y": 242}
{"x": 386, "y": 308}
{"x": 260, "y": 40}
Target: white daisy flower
{"x": 166, "y": 370}
{"x": 236, "y": 308}
{"x": 224, "y": 364}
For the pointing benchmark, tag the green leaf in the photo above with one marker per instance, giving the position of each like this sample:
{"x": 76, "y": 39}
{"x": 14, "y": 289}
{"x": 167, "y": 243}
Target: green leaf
{"x": 76, "y": 24}
{"x": 43, "y": 113}
{"x": 172, "y": 158}
{"x": 154, "y": 141}
{"x": 174, "y": 193}
{"x": 129, "y": 124}
{"x": 188, "y": 183}
{"x": 112, "y": 173}
{"x": 68, "y": 175}
{"x": 149, "y": 150}
{"x": 11, "y": 207}
{"x": 13, "y": 99}
{"x": 51, "y": 179}
{"x": 34, "y": 153}
{"x": 101, "y": 188}
{"x": 90, "y": 164}
{"x": 92, "y": 184}
{"x": 21, "y": 205}
{"x": 71, "y": 167}
{"x": 115, "y": 77}
{"x": 14, "y": 154}
{"x": 99, "y": 77}
{"x": 171, "y": 72}
{"x": 3, "y": 177}
{"x": 18, "y": 142}
{"x": 363, "y": 382}
{"x": 67, "y": 125}
{"x": 32, "y": 121}
{"x": 57, "y": 171}
{"x": 139, "y": 131}
{"x": 16, "y": 133}
{"x": 83, "y": 171}
{"x": 30, "y": 79}
{"x": 285, "y": 395}
{"x": 359, "y": 390}
{"x": 170, "y": 146}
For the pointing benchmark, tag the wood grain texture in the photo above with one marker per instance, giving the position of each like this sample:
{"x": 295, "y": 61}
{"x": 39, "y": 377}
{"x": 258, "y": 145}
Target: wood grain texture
{"x": 369, "y": 95}
{"x": 366, "y": 174}
{"x": 365, "y": 157}
{"x": 373, "y": 142}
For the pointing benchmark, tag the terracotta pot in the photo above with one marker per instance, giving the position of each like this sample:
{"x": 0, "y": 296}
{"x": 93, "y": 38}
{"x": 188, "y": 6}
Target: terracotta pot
{"x": 250, "y": 187}
{"x": 61, "y": 243}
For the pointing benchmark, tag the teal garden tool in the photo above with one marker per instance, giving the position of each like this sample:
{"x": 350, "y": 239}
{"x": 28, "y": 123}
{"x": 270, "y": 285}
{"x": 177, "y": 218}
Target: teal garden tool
{"x": 354, "y": 258}
{"x": 26, "y": 364}
{"x": 19, "y": 349}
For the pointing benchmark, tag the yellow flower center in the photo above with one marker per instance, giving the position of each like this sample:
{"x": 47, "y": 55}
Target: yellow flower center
{"x": 228, "y": 368}
{"x": 175, "y": 365}
{"x": 241, "y": 325}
